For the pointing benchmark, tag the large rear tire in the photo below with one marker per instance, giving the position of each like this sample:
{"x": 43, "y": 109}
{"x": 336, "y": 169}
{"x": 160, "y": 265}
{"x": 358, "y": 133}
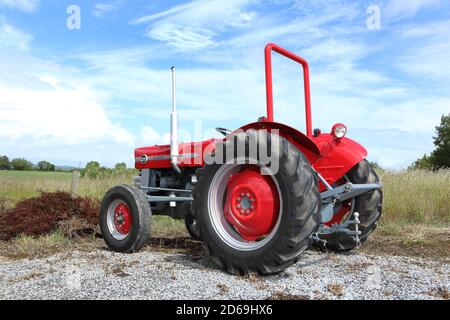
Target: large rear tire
{"x": 125, "y": 218}
{"x": 295, "y": 220}
{"x": 368, "y": 205}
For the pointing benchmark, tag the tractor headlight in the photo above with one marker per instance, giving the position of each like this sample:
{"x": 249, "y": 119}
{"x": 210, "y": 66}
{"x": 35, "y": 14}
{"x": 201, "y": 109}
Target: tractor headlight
{"x": 339, "y": 131}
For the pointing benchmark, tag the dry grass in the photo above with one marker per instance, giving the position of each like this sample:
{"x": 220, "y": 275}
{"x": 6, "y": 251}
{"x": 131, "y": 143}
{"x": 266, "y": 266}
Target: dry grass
{"x": 286, "y": 296}
{"x": 410, "y": 197}
{"x": 416, "y": 197}
{"x": 336, "y": 289}
{"x": 410, "y": 240}
{"x": 163, "y": 226}
{"x": 16, "y": 186}
{"x": 27, "y": 247}
{"x": 441, "y": 293}
{"x": 415, "y": 221}
{"x": 32, "y": 247}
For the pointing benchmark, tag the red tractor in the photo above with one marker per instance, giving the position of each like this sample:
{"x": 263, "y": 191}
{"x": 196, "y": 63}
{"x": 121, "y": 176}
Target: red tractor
{"x": 259, "y": 197}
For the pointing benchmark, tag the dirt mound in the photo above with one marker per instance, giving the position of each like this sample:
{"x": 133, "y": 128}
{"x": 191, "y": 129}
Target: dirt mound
{"x": 50, "y": 212}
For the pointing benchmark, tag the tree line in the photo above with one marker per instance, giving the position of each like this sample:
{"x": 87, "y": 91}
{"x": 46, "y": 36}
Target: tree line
{"x": 20, "y": 164}
{"x": 93, "y": 169}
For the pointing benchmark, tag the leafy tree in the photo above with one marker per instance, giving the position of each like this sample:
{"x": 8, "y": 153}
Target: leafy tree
{"x": 45, "y": 166}
{"x": 423, "y": 163}
{"x": 104, "y": 172}
{"x": 375, "y": 165}
{"x": 21, "y": 164}
{"x": 440, "y": 157}
{"x": 92, "y": 169}
{"x": 122, "y": 166}
{"x": 4, "y": 163}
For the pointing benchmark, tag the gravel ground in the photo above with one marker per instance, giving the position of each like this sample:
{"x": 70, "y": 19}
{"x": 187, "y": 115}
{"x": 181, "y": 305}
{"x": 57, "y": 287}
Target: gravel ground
{"x": 155, "y": 275}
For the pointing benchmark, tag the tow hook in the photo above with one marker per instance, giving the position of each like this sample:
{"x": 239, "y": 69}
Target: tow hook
{"x": 319, "y": 243}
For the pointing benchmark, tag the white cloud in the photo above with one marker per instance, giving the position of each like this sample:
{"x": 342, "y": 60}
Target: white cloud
{"x": 100, "y": 9}
{"x": 192, "y": 26}
{"x": 425, "y": 55}
{"x": 397, "y": 9}
{"x": 24, "y": 5}
{"x": 13, "y": 38}
{"x": 431, "y": 29}
{"x": 150, "y": 137}
{"x": 68, "y": 125}
{"x": 48, "y": 112}
{"x": 183, "y": 38}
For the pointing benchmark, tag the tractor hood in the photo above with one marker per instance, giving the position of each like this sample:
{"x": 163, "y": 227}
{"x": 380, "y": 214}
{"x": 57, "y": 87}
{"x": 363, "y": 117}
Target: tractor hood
{"x": 158, "y": 157}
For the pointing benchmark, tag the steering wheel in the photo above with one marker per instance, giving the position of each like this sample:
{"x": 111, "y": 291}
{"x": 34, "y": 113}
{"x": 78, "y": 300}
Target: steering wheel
{"x": 224, "y": 131}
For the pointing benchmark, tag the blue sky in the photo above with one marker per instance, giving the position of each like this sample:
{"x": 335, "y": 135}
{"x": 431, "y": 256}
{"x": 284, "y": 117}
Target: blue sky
{"x": 96, "y": 93}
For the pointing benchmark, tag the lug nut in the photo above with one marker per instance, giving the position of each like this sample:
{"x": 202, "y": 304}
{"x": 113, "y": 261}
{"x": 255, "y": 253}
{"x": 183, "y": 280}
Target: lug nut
{"x": 238, "y": 206}
{"x": 248, "y": 211}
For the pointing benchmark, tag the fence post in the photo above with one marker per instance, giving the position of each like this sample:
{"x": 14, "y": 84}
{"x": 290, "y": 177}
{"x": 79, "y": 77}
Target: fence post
{"x": 74, "y": 185}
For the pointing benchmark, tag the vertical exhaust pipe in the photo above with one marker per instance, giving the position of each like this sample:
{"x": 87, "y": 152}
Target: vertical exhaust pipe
{"x": 174, "y": 154}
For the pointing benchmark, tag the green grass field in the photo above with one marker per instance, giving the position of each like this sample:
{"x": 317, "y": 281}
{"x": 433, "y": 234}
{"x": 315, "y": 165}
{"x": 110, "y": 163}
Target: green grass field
{"x": 416, "y": 207}
{"x": 410, "y": 197}
{"x": 16, "y": 186}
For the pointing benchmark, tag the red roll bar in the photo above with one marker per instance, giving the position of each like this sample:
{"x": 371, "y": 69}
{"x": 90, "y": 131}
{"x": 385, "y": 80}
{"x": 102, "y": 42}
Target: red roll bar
{"x": 269, "y": 91}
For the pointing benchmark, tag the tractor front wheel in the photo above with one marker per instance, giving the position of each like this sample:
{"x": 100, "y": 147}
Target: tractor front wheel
{"x": 125, "y": 218}
{"x": 368, "y": 206}
{"x": 192, "y": 228}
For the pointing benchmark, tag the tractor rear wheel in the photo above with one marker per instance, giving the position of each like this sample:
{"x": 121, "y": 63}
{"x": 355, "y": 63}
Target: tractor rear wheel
{"x": 252, "y": 223}
{"x": 368, "y": 206}
{"x": 125, "y": 218}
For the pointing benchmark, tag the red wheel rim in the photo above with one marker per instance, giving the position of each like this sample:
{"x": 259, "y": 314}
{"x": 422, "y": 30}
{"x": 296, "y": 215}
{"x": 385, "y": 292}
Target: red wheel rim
{"x": 252, "y": 204}
{"x": 122, "y": 218}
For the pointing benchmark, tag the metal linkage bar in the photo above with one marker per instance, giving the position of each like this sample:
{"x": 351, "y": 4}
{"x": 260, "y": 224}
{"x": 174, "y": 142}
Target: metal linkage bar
{"x": 350, "y": 190}
{"x": 166, "y": 189}
{"x": 172, "y": 198}
{"x": 169, "y": 199}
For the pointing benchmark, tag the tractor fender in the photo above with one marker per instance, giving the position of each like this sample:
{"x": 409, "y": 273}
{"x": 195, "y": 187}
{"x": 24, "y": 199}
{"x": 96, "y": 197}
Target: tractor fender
{"x": 337, "y": 156}
{"x": 298, "y": 139}
{"x": 330, "y": 157}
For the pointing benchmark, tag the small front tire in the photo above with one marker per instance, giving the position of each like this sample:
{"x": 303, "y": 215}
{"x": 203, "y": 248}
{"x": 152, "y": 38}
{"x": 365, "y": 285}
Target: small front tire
{"x": 125, "y": 218}
{"x": 368, "y": 205}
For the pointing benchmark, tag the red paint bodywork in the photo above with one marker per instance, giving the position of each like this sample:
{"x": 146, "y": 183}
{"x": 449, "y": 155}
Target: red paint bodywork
{"x": 269, "y": 91}
{"x": 161, "y": 155}
{"x": 331, "y": 157}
